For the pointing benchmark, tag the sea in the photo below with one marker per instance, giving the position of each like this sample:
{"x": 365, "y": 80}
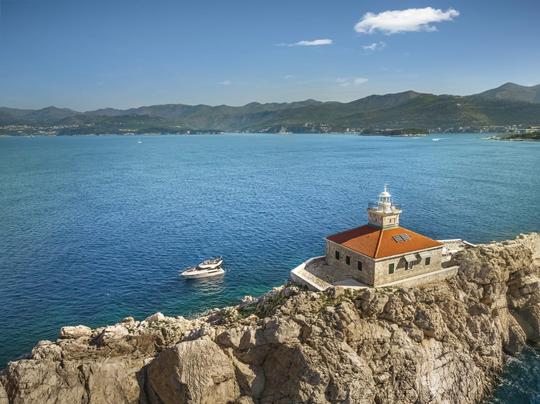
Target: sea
{"x": 97, "y": 228}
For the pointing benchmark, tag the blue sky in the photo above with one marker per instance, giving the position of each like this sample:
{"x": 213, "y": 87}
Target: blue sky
{"x": 86, "y": 54}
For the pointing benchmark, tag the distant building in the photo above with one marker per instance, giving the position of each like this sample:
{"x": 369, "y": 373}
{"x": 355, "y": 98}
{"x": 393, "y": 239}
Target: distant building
{"x": 382, "y": 251}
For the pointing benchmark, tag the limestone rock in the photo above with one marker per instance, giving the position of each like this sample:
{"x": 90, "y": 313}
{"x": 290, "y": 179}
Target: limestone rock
{"x": 47, "y": 350}
{"x": 77, "y": 331}
{"x": 281, "y": 331}
{"x": 155, "y": 317}
{"x": 99, "y": 381}
{"x": 125, "y": 373}
{"x": 516, "y": 338}
{"x": 244, "y": 400}
{"x": 250, "y": 378}
{"x": 529, "y": 319}
{"x": 3, "y": 394}
{"x": 193, "y": 372}
{"x": 111, "y": 333}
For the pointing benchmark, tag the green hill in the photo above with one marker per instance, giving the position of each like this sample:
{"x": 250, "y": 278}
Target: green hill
{"x": 513, "y": 92}
{"x": 507, "y": 105}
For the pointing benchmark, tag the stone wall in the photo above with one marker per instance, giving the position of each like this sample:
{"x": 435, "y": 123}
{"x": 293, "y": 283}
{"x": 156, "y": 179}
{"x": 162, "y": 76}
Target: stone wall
{"x": 382, "y": 275}
{"x": 301, "y": 276}
{"x": 383, "y": 220}
{"x": 376, "y": 272}
{"x": 428, "y": 278}
{"x": 366, "y": 275}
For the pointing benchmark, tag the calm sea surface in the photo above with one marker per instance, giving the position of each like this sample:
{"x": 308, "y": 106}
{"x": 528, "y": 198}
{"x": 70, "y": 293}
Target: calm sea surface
{"x": 93, "y": 229}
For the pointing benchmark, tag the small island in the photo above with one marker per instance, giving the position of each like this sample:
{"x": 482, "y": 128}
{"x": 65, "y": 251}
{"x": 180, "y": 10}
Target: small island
{"x": 518, "y": 137}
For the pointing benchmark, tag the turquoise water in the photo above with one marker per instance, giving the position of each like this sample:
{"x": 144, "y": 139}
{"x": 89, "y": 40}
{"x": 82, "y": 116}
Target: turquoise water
{"x": 93, "y": 229}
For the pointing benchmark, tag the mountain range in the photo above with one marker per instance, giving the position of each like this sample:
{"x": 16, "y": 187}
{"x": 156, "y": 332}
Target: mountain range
{"x": 509, "y": 104}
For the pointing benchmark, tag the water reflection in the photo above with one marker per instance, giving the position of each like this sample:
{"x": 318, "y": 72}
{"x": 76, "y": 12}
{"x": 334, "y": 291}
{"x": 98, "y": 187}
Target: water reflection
{"x": 206, "y": 286}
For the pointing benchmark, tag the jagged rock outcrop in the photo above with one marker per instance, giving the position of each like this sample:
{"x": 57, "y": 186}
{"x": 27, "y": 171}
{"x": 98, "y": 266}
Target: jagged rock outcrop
{"x": 439, "y": 343}
{"x": 193, "y": 371}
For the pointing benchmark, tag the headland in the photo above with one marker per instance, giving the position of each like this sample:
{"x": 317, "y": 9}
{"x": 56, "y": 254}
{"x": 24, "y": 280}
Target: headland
{"x": 445, "y": 341}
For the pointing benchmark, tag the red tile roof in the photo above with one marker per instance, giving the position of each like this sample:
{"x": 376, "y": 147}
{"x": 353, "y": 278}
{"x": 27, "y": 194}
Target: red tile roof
{"x": 379, "y": 243}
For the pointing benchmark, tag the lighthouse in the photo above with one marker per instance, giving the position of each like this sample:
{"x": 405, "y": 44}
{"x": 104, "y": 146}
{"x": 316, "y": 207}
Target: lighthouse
{"x": 382, "y": 251}
{"x": 383, "y": 214}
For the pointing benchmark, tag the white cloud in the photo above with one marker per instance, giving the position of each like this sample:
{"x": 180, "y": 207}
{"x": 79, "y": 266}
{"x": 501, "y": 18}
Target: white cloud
{"x": 315, "y": 42}
{"x": 409, "y": 20}
{"x": 350, "y": 81}
{"x": 374, "y": 46}
{"x": 225, "y": 82}
{"x": 288, "y": 77}
{"x": 359, "y": 80}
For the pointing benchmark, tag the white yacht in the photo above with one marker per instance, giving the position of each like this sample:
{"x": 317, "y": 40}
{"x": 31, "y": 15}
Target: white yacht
{"x": 207, "y": 268}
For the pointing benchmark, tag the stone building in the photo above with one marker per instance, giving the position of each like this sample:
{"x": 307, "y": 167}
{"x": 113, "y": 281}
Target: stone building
{"x": 382, "y": 251}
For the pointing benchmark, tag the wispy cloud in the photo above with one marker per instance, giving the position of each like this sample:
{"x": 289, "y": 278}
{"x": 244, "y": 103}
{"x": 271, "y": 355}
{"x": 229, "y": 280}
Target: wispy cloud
{"x": 289, "y": 76}
{"x": 314, "y": 42}
{"x": 350, "y": 81}
{"x": 359, "y": 80}
{"x": 409, "y": 20}
{"x": 225, "y": 82}
{"x": 372, "y": 47}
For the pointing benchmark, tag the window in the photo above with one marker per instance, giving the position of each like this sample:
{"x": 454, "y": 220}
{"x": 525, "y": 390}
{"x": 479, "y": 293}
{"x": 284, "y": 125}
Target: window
{"x": 399, "y": 238}
{"x": 359, "y": 265}
{"x": 408, "y": 266}
{"x": 391, "y": 268}
{"x": 428, "y": 260}
{"x": 337, "y": 255}
{"x": 348, "y": 260}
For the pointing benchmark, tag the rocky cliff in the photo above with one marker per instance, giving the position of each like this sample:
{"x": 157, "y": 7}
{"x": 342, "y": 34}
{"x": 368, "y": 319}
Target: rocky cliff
{"x": 441, "y": 343}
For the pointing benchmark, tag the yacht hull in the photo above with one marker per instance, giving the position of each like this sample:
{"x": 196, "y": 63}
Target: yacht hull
{"x": 201, "y": 273}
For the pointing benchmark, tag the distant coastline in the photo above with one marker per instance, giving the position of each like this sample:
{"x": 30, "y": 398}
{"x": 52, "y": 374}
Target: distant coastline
{"x": 30, "y": 130}
{"x": 517, "y": 137}
{"x": 376, "y": 132}
{"x": 507, "y": 109}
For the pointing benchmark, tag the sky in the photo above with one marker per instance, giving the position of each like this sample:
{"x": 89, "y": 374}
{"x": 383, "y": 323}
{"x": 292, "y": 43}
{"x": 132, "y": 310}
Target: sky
{"x": 88, "y": 54}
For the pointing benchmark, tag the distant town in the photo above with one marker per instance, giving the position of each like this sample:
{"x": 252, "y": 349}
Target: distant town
{"x": 88, "y": 129}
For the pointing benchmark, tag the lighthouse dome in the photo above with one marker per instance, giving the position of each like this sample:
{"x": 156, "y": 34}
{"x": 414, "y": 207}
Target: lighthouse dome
{"x": 385, "y": 193}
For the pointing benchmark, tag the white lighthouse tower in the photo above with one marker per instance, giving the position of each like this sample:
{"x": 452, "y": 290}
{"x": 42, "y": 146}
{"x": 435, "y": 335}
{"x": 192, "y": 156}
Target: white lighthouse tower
{"x": 384, "y": 213}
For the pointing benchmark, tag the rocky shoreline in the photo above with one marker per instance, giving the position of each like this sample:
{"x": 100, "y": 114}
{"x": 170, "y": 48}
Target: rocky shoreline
{"x": 442, "y": 343}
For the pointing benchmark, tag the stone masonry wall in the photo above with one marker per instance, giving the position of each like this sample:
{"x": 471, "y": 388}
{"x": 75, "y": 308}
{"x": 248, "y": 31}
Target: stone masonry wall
{"x": 383, "y": 276}
{"x": 366, "y": 275}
